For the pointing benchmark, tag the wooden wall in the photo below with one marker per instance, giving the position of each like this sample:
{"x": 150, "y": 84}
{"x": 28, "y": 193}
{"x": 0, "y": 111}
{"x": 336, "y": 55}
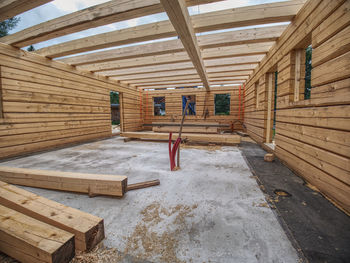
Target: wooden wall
{"x": 173, "y": 105}
{"x": 47, "y": 104}
{"x": 313, "y": 135}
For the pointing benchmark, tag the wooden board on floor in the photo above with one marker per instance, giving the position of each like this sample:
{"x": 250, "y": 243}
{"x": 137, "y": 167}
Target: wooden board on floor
{"x": 168, "y": 129}
{"x": 88, "y": 229}
{"x": 29, "y": 240}
{"x": 207, "y": 138}
{"x": 93, "y": 184}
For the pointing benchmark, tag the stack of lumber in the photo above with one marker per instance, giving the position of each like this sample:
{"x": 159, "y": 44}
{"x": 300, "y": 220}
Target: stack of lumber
{"x": 189, "y": 127}
{"x": 35, "y": 229}
{"x": 198, "y": 138}
{"x": 93, "y": 184}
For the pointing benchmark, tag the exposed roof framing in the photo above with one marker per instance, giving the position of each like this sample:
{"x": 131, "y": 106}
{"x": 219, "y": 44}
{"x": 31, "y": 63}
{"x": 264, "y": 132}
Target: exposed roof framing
{"x": 180, "y": 18}
{"x": 11, "y": 8}
{"x": 238, "y": 17}
{"x": 232, "y": 38}
{"x": 192, "y": 60}
{"x": 98, "y": 15}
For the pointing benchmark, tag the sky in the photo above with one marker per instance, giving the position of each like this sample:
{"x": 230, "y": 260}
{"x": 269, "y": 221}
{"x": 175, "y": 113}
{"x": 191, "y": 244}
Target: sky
{"x": 59, "y": 8}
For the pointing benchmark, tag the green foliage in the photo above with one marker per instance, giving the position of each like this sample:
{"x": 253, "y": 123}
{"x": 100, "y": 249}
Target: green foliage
{"x": 31, "y": 48}
{"x": 115, "y": 122}
{"x": 7, "y": 25}
{"x": 308, "y": 68}
{"x": 114, "y": 97}
{"x": 222, "y": 104}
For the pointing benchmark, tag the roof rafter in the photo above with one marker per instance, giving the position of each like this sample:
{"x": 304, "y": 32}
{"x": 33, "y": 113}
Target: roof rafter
{"x": 238, "y": 17}
{"x": 98, "y": 15}
{"x": 180, "y": 18}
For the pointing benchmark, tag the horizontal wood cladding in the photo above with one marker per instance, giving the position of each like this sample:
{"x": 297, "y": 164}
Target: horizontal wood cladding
{"x": 204, "y": 100}
{"x": 46, "y": 104}
{"x": 312, "y": 135}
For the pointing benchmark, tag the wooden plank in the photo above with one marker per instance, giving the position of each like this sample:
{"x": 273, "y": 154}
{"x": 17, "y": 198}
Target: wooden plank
{"x": 173, "y": 129}
{"x": 210, "y": 138}
{"x": 88, "y": 229}
{"x": 29, "y": 240}
{"x": 94, "y": 16}
{"x": 11, "y": 8}
{"x": 237, "y": 17}
{"x": 143, "y": 184}
{"x": 95, "y": 184}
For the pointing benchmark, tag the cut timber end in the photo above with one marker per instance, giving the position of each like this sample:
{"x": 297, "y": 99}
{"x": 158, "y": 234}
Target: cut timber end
{"x": 29, "y": 240}
{"x": 269, "y": 157}
{"x": 88, "y": 229}
{"x": 93, "y": 184}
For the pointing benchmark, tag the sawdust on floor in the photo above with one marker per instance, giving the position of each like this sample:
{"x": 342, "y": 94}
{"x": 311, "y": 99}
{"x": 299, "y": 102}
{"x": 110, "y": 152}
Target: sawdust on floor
{"x": 148, "y": 241}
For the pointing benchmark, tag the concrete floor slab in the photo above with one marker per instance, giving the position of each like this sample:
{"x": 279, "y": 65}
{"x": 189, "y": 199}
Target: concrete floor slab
{"x": 211, "y": 210}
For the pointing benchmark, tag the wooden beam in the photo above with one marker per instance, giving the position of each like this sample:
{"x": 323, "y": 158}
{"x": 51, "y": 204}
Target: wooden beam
{"x": 194, "y": 82}
{"x": 29, "y": 240}
{"x": 87, "y": 229}
{"x": 167, "y": 59}
{"x": 11, "y": 8}
{"x": 204, "y": 138}
{"x": 182, "y": 77}
{"x": 237, "y": 17}
{"x": 233, "y": 82}
{"x": 131, "y": 78}
{"x": 173, "y": 67}
{"x": 133, "y": 63}
{"x": 94, "y": 184}
{"x": 165, "y": 47}
{"x": 98, "y": 15}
